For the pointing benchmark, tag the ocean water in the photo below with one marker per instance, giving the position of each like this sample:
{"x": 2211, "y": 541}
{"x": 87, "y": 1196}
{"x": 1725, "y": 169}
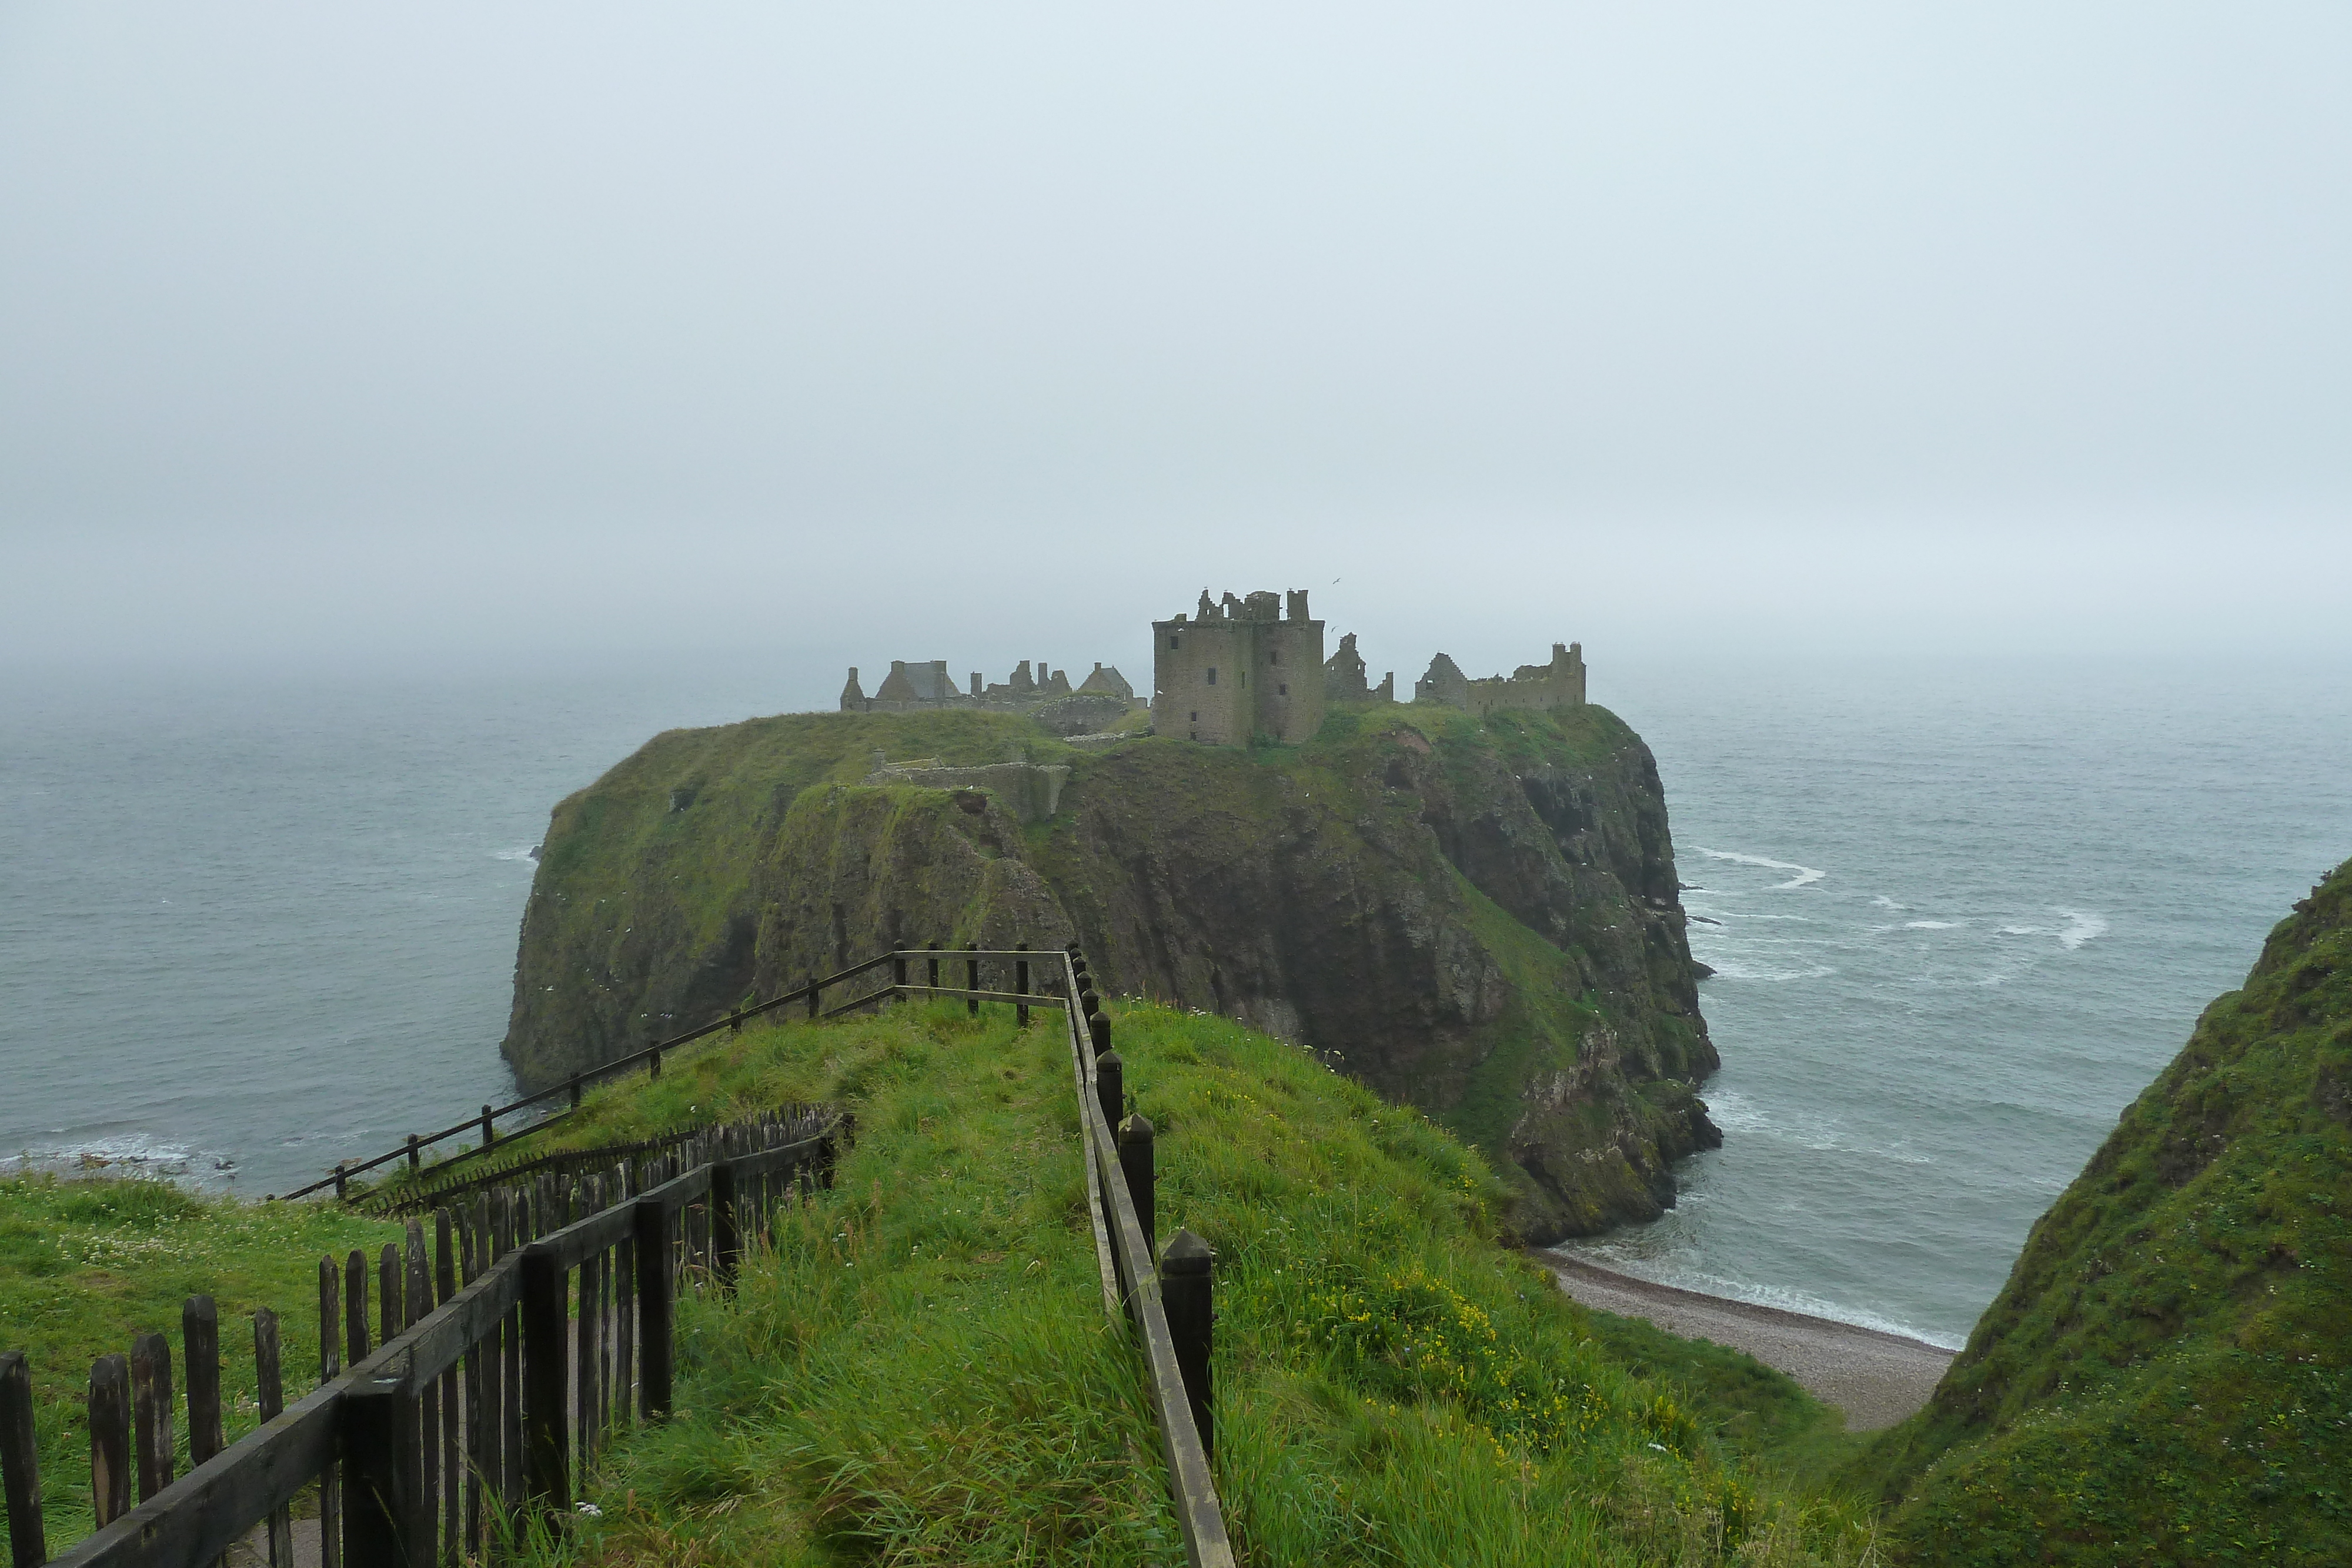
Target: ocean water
{"x": 1959, "y": 921}
{"x": 253, "y": 926}
{"x": 1959, "y": 918}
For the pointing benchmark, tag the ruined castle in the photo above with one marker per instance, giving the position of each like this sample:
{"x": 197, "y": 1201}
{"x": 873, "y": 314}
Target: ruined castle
{"x": 1245, "y": 668}
{"x": 1541, "y": 688}
{"x": 911, "y": 686}
{"x": 1237, "y": 669}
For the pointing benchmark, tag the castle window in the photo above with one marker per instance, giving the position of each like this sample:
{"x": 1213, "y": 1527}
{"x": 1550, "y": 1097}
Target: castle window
{"x": 1173, "y": 641}
{"x": 1195, "y": 719}
{"x": 1282, "y": 690}
{"x": 1213, "y": 674}
{"x": 1275, "y": 657}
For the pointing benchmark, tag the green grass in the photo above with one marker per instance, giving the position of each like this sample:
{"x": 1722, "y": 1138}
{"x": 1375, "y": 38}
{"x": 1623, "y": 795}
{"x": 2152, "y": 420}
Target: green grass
{"x": 920, "y": 1369}
{"x": 87, "y": 1265}
{"x": 2166, "y": 1377}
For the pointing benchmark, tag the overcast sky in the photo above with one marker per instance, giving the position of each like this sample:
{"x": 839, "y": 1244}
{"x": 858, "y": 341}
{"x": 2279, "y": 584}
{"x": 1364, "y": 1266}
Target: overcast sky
{"x": 362, "y": 331}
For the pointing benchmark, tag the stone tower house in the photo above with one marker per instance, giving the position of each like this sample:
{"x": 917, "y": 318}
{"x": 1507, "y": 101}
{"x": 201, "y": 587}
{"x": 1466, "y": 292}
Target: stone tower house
{"x": 1243, "y": 668}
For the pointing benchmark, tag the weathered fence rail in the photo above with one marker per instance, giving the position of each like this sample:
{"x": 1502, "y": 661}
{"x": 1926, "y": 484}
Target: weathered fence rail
{"x": 1166, "y": 1295}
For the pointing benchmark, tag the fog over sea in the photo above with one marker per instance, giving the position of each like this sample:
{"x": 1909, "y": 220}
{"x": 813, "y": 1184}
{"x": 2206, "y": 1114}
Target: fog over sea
{"x": 1960, "y": 917}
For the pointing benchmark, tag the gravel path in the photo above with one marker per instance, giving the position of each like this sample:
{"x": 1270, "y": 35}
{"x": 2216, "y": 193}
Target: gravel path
{"x": 1877, "y": 1379}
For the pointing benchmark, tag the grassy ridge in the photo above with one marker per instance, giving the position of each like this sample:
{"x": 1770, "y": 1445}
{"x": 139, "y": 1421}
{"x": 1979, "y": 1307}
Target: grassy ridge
{"x": 86, "y": 1266}
{"x": 2165, "y": 1378}
{"x": 920, "y": 1369}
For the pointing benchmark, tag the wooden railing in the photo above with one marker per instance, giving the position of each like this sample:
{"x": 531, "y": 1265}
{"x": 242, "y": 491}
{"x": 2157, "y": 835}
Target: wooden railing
{"x": 1165, "y": 1295}
{"x": 542, "y": 1322}
{"x": 810, "y": 995}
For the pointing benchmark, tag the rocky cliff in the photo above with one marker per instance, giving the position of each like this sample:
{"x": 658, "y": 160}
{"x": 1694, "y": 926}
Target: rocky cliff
{"x": 1479, "y": 918}
{"x": 2165, "y": 1378}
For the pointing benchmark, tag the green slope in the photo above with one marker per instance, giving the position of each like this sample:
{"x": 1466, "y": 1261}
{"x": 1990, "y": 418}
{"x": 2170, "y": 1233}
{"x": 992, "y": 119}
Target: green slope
{"x": 922, "y": 1370}
{"x": 2166, "y": 1376}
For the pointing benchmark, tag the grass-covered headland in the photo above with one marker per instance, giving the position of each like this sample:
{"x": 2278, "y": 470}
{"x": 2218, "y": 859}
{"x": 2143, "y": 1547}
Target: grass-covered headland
{"x": 920, "y": 1369}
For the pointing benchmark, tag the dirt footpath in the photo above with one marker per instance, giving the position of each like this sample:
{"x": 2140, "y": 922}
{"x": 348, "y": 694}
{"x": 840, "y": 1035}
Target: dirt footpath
{"x": 1875, "y": 1378}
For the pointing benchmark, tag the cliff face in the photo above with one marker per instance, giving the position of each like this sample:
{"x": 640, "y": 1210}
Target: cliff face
{"x": 1477, "y": 918}
{"x": 2165, "y": 1378}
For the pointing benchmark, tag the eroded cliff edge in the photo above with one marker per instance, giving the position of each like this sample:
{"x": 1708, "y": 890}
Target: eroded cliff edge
{"x": 1479, "y": 918}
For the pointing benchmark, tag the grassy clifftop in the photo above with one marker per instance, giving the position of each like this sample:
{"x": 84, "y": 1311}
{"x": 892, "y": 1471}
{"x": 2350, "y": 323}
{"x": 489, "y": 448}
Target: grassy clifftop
{"x": 920, "y": 1369}
{"x": 2166, "y": 1376}
{"x": 1477, "y": 918}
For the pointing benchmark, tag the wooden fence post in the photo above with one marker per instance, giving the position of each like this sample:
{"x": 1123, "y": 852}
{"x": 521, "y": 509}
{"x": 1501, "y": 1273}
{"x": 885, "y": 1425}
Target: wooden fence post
{"x": 897, "y": 969}
{"x": 971, "y": 980}
{"x": 413, "y": 1160}
{"x": 1088, "y": 1003}
{"x": 200, "y": 1342}
{"x": 1110, "y": 1086}
{"x": 379, "y": 1422}
{"x": 545, "y": 1459}
{"x": 573, "y": 1085}
{"x": 1098, "y": 1032}
{"x": 1135, "y": 1163}
{"x": 934, "y": 981}
{"x": 331, "y": 1366}
{"x": 489, "y": 1128}
{"x": 452, "y": 1466}
{"x": 649, "y": 1229}
{"x": 726, "y": 1226}
{"x": 355, "y": 1323}
{"x": 1021, "y": 987}
{"x": 111, "y": 1466}
{"x": 150, "y": 1409}
{"x": 1185, "y": 1296}
{"x": 390, "y": 1320}
{"x": 269, "y": 1394}
{"x": 20, "y": 1463}
{"x": 811, "y": 995}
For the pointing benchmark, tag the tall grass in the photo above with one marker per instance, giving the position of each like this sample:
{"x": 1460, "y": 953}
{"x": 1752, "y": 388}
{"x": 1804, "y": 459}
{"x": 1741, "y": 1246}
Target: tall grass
{"x": 920, "y": 1369}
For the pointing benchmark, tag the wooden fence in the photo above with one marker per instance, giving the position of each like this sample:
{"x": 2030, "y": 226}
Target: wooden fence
{"x": 540, "y": 1320}
{"x": 493, "y": 1366}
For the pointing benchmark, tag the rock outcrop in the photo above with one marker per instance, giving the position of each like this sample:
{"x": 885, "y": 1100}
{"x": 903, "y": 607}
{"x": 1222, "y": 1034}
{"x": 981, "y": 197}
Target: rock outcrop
{"x": 1480, "y": 918}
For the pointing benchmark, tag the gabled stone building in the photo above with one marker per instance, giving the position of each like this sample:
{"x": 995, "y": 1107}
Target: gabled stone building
{"x": 1239, "y": 669}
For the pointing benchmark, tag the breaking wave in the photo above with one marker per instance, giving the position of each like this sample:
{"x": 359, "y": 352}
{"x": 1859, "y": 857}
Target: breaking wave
{"x": 1805, "y": 874}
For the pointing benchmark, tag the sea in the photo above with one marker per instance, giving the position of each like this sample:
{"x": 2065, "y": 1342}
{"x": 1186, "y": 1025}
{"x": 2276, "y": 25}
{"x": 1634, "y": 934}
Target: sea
{"x": 1960, "y": 915}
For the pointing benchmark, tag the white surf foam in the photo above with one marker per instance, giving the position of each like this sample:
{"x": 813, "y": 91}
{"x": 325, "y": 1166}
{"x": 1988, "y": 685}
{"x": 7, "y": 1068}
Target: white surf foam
{"x": 1932, "y": 924}
{"x": 1624, "y": 1261}
{"x": 1885, "y": 902}
{"x": 526, "y": 854}
{"x": 1727, "y": 967}
{"x": 2082, "y": 926}
{"x": 1805, "y": 874}
{"x": 127, "y": 1154}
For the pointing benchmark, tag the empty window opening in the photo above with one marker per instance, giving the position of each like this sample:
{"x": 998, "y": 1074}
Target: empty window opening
{"x": 1213, "y": 674}
{"x": 1195, "y": 719}
{"x": 1282, "y": 690}
{"x": 1174, "y": 641}
{"x": 1275, "y": 657}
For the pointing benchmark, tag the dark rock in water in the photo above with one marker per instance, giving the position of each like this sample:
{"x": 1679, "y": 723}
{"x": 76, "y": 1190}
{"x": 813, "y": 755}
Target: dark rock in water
{"x": 535, "y": 849}
{"x": 1703, "y": 971}
{"x": 1477, "y": 918}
